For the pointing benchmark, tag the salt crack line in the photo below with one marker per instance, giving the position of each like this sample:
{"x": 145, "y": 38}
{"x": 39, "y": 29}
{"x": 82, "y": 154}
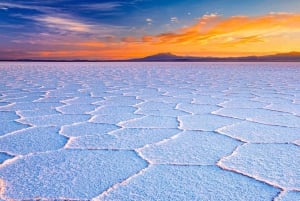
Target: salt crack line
{"x": 122, "y": 183}
{"x": 222, "y": 115}
{"x": 268, "y": 124}
{"x": 235, "y": 151}
{"x": 23, "y": 129}
{"x": 219, "y": 164}
{"x": 92, "y": 112}
{"x": 140, "y": 149}
{"x": 70, "y": 139}
{"x": 188, "y": 113}
{"x": 268, "y": 107}
{"x": 121, "y": 123}
{"x": 11, "y": 160}
{"x": 7, "y": 106}
{"x": 221, "y": 129}
{"x": 66, "y": 101}
{"x": 279, "y": 195}
{"x": 46, "y": 199}
{"x": 223, "y": 104}
{"x": 163, "y": 141}
{"x": 297, "y": 143}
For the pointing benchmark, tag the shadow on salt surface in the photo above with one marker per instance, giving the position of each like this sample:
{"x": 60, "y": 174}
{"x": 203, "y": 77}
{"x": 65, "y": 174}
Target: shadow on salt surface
{"x": 8, "y": 116}
{"x": 206, "y": 183}
{"x": 274, "y": 163}
{"x": 191, "y": 148}
{"x": 11, "y": 126}
{"x": 289, "y": 196}
{"x": 125, "y": 138}
{"x": 4, "y": 156}
{"x": 71, "y": 174}
{"x": 4, "y": 104}
{"x": 31, "y": 140}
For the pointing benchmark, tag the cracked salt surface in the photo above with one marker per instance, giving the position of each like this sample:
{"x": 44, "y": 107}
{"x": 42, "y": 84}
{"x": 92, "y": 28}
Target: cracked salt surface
{"x": 167, "y": 182}
{"x": 150, "y": 131}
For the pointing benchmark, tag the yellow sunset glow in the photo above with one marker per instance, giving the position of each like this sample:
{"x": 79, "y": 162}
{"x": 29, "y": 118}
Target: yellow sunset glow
{"x": 211, "y": 35}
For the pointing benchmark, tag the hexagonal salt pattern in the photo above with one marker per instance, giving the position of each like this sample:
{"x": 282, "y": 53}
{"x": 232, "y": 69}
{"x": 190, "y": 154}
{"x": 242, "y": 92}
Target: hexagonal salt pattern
{"x": 125, "y": 138}
{"x": 164, "y": 182}
{"x": 261, "y": 133}
{"x": 31, "y": 140}
{"x": 68, "y": 174}
{"x": 277, "y": 164}
{"x": 149, "y": 131}
{"x": 191, "y": 148}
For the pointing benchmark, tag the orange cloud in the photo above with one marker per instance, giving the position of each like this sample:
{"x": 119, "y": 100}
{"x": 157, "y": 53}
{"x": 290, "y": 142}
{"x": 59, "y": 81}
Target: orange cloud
{"x": 211, "y": 35}
{"x": 92, "y": 44}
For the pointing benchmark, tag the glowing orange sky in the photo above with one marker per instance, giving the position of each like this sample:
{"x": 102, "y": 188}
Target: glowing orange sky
{"x": 211, "y": 35}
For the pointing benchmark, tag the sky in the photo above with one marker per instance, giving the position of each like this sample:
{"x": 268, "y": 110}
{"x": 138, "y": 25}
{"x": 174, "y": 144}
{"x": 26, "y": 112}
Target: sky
{"x": 99, "y": 29}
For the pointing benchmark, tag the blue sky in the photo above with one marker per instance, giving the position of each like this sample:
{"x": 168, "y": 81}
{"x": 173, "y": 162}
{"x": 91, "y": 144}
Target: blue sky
{"x": 27, "y": 23}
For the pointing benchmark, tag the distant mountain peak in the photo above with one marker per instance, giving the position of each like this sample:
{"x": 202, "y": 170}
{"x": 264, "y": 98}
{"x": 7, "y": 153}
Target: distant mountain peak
{"x": 162, "y": 56}
{"x": 288, "y": 54}
{"x": 167, "y": 56}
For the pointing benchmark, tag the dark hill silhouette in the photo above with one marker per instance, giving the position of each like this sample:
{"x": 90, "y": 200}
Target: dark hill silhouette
{"x": 291, "y": 56}
{"x": 169, "y": 57}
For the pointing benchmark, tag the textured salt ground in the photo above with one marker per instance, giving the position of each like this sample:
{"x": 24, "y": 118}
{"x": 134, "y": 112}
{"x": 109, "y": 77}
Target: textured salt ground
{"x": 282, "y": 169}
{"x": 32, "y": 140}
{"x": 125, "y": 138}
{"x": 165, "y": 182}
{"x": 149, "y": 131}
{"x": 71, "y": 174}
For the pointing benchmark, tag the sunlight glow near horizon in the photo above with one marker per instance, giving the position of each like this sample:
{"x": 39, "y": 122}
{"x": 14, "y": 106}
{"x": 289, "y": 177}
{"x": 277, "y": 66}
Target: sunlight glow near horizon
{"x": 212, "y": 34}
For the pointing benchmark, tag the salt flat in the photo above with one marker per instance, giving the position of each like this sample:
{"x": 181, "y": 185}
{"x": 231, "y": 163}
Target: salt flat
{"x": 150, "y": 131}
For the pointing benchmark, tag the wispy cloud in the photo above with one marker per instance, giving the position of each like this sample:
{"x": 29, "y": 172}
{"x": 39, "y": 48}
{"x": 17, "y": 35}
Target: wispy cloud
{"x": 43, "y": 9}
{"x": 216, "y": 35}
{"x": 15, "y": 5}
{"x": 149, "y": 21}
{"x": 64, "y": 24}
{"x": 108, "y": 6}
{"x": 210, "y": 35}
{"x": 174, "y": 19}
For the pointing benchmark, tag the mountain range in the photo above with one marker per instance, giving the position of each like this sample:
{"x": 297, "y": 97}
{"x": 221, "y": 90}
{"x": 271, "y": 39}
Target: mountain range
{"x": 284, "y": 57}
{"x": 169, "y": 57}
